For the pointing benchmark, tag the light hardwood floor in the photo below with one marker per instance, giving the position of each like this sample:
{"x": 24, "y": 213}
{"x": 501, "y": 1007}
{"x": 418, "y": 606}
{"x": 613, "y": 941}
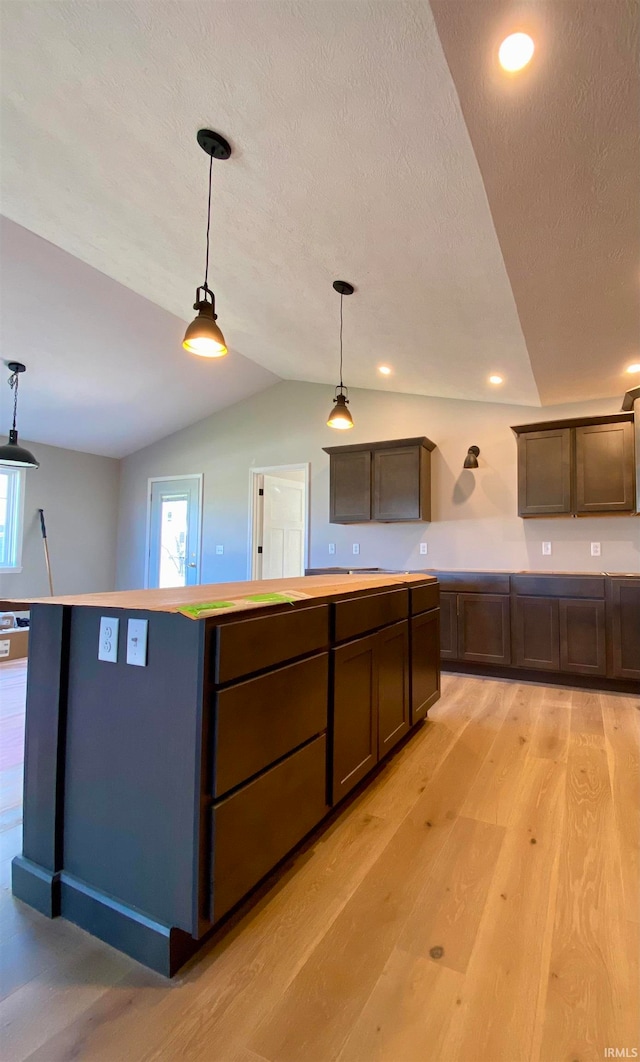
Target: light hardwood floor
{"x": 477, "y": 903}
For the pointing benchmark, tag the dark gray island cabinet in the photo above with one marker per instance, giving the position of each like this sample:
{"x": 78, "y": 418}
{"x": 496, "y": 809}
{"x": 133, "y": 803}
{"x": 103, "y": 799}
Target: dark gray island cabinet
{"x": 157, "y": 796}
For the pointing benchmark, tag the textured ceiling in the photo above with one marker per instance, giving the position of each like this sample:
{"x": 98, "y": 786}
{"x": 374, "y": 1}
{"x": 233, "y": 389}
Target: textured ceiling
{"x": 559, "y": 150}
{"x": 81, "y": 335}
{"x": 351, "y": 158}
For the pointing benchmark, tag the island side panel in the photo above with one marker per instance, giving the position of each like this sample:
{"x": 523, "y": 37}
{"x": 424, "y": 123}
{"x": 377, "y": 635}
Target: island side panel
{"x": 133, "y": 785}
{"x": 35, "y": 874}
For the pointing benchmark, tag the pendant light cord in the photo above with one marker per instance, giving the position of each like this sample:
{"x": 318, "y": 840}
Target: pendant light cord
{"x": 13, "y": 384}
{"x": 341, "y": 298}
{"x": 206, "y": 267}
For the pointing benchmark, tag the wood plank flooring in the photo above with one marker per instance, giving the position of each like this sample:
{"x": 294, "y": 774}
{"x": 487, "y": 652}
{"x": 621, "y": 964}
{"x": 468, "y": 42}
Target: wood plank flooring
{"x": 477, "y": 903}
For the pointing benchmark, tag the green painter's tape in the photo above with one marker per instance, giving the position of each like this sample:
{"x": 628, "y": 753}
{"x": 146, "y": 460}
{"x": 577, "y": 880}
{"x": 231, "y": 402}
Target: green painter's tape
{"x": 195, "y": 610}
{"x": 275, "y": 599}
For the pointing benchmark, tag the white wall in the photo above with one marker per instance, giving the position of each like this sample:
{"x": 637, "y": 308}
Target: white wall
{"x": 79, "y": 495}
{"x": 474, "y": 521}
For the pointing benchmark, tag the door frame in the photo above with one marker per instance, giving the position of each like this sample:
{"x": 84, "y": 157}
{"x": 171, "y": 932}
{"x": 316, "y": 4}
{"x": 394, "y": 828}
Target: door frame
{"x": 255, "y": 510}
{"x": 147, "y": 546}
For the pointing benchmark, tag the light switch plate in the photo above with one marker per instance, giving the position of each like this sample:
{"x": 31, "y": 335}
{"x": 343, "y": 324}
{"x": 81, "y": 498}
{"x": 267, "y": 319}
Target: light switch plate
{"x": 356, "y": 547}
{"x": 108, "y": 640}
{"x": 219, "y": 550}
{"x": 332, "y": 547}
{"x": 546, "y": 549}
{"x": 423, "y": 548}
{"x": 595, "y": 549}
{"x": 137, "y": 642}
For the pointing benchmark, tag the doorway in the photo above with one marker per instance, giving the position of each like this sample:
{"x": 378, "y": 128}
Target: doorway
{"x": 279, "y": 521}
{"x": 174, "y": 521}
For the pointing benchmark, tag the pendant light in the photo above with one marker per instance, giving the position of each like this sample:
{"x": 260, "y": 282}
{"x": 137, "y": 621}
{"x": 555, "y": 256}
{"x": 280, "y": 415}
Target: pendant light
{"x": 12, "y": 453}
{"x": 340, "y": 416}
{"x": 203, "y": 337}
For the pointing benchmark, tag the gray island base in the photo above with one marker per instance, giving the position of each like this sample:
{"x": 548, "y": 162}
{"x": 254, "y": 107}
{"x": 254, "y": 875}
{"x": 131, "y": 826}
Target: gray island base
{"x": 158, "y": 794}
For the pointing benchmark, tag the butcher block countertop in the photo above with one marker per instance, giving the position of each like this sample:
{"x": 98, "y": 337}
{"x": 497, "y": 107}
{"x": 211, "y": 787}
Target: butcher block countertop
{"x": 175, "y": 599}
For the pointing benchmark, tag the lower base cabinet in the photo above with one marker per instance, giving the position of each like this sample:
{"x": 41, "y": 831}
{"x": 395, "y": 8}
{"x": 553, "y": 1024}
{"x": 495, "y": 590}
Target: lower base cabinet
{"x": 370, "y": 703}
{"x": 484, "y": 634}
{"x": 623, "y": 624}
{"x": 536, "y": 638}
{"x": 583, "y": 648}
{"x": 425, "y": 663}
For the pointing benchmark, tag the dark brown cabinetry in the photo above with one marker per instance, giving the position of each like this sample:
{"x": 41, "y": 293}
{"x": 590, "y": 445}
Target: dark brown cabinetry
{"x": 576, "y": 467}
{"x": 370, "y": 703}
{"x": 559, "y": 623}
{"x": 623, "y": 627}
{"x": 425, "y": 663}
{"x": 474, "y": 617}
{"x": 387, "y": 482}
{"x": 605, "y": 468}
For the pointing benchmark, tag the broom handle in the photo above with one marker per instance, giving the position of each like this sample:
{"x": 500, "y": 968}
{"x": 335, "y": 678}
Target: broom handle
{"x": 46, "y": 549}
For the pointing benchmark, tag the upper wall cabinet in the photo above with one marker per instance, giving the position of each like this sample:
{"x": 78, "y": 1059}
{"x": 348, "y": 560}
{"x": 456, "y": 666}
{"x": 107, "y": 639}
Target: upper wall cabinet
{"x": 576, "y": 467}
{"x": 388, "y": 482}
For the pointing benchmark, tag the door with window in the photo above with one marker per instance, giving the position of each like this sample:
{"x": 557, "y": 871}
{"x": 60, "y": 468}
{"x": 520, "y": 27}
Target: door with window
{"x": 174, "y": 531}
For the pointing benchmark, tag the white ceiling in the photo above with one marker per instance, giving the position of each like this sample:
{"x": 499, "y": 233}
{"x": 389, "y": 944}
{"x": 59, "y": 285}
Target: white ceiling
{"x": 105, "y": 367}
{"x": 351, "y": 159}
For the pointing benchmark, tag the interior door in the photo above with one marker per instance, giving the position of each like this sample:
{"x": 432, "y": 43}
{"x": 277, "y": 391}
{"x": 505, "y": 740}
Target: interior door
{"x": 283, "y": 527}
{"x": 174, "y": 532}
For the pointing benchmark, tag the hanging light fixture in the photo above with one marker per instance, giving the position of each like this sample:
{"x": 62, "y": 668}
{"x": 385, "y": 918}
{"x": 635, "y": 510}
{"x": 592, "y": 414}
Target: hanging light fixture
{"x": 203, "y": 336}
{"x": 340, "y": 416}
{"x": 12, "y": 453}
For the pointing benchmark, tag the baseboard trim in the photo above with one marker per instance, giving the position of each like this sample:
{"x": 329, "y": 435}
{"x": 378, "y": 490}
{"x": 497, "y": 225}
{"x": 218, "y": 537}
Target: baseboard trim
{"x": 544, "y": 678}
{"x": 36, "y": 885}
{"x": 162, "y": 948}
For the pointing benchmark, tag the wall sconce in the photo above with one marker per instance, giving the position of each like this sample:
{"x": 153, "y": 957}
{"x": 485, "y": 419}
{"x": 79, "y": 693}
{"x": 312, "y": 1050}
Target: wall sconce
{"x": 471, "y": 460}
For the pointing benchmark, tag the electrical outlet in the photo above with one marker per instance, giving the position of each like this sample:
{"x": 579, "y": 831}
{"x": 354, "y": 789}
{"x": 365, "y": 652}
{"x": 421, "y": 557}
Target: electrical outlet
{"x": 546, "y": 549}
{"x": 423, "y": 548}
{"x": 219, "y": 550}
{"x": 108, "y": 640}
{"x": 137, "y": 642}
{"x": 595, "y": 549}
{"x": 332, "y": 547}
{"x": 356, "y": 547}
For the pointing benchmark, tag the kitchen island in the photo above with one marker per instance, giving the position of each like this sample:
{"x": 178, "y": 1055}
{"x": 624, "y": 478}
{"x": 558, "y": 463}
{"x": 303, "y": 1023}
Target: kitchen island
{"x": 180, "y": 743}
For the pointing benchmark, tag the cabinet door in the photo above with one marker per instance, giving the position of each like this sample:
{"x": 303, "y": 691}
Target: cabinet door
{"x": 536, "y": 633}
{"x": 392, "y": 674}
{"x": 623, "y": 628}
{"x": 397, "y": 488}
{"x": 605, "y": 468}
{"x": 425, "y": 662}
{"x": 544, "y": 472}
{"x": 483, "y": 628}
{"x": 350, "y": 487}
{"x": 582, "y": 637}
{"x": 354, "y": 730}
{"x": 448, "y": 626}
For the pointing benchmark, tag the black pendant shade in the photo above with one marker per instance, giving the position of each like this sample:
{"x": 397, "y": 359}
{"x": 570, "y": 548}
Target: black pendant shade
{"x": 12, "y": 453}
{"x": 203, "y": 336}
{"x": 471, "y": 460}
{"x": 340, "y": 417}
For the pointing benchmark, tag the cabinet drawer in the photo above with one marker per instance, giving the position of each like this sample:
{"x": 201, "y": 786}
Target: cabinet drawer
{"x": 256, "y": 827}
{"x": 424, "y": 597}
{"x": 258, "y": 721}
{"x": 474, "y": 582}
{"x": 357, "y": 615}
{"x": 559, "y": 585}
{"x": 251, "y": 645}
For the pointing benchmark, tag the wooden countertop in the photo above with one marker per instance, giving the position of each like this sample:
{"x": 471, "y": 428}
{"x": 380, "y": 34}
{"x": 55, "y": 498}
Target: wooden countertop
{"x": 313, "y": 587}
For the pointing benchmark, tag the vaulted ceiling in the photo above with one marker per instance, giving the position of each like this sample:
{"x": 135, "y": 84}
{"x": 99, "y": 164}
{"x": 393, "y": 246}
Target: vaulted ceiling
{"x": 490, "y": 223}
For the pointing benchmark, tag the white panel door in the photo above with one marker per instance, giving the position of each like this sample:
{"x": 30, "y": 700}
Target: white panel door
{"x": 283, "y": 527}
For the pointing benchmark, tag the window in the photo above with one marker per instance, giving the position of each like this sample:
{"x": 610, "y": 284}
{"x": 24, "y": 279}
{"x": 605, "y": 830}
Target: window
{"x": 11, "y": 510}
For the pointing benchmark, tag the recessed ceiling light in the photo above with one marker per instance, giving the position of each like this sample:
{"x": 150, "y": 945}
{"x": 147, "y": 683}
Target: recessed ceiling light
{"x": 386, "y": 371}
{"x": 515, "y": 51}
{"x": 495, "y": 379}
{"x": 633, "y": 368}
